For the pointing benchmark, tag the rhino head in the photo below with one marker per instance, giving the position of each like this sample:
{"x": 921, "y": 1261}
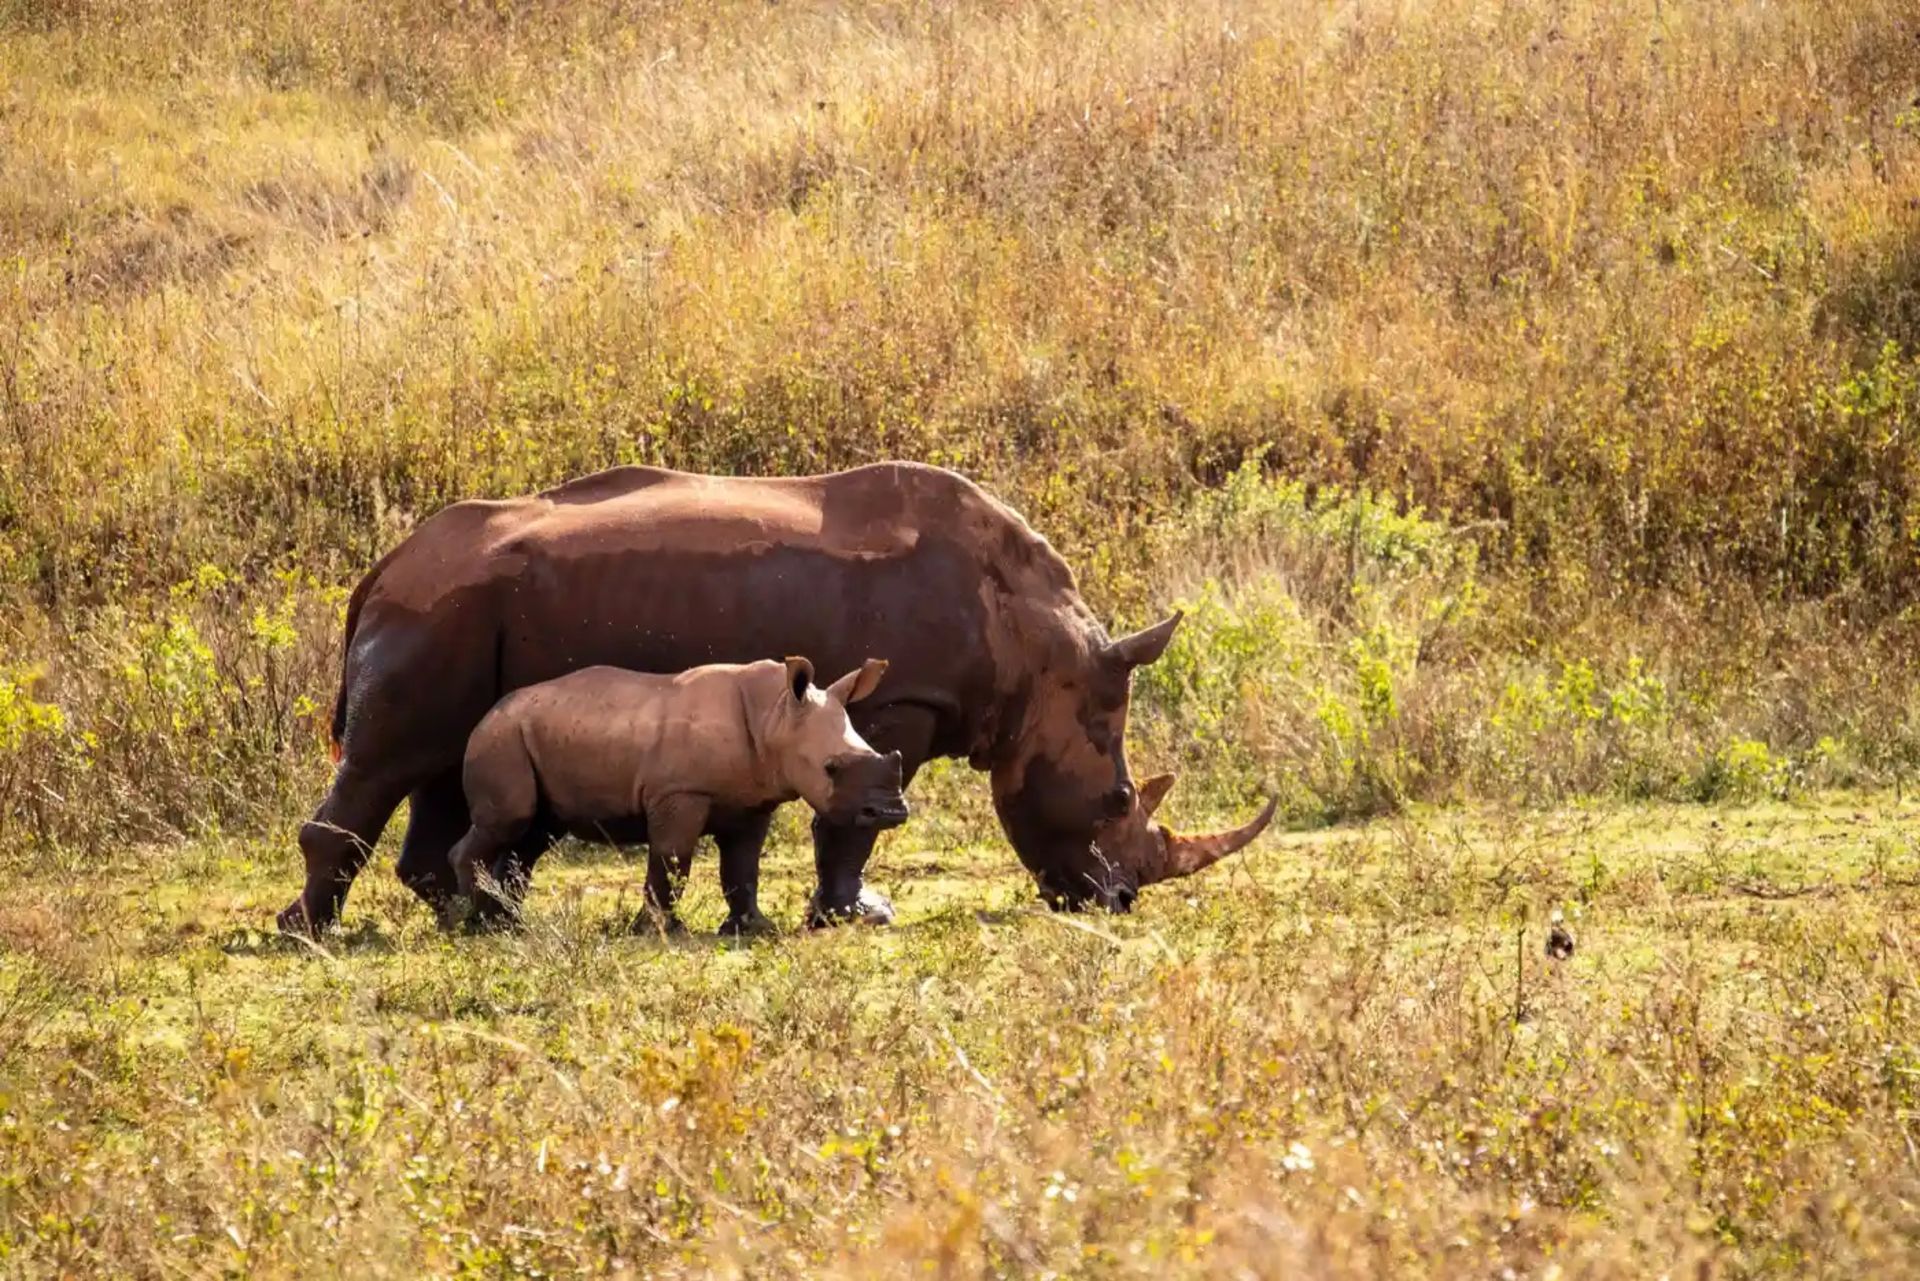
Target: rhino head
{"x": 1063, "y": 793}
{"x": 817, "y": 752}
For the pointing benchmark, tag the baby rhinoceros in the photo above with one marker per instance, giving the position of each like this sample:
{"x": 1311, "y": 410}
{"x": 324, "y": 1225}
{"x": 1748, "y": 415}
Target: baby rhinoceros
{"x": 622, "y": 757}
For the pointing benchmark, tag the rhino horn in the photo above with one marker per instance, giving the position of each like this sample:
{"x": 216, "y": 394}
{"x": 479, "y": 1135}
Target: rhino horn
{"x": 1186, "y": 855}
{"x": 1153, "y": 791}
{"x": 1142, "y": 647}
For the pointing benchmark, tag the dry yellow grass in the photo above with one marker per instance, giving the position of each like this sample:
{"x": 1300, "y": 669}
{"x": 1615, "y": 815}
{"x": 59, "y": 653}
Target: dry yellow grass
{"x": 1572, "y": 348}
{"x": 1603, "y": 271}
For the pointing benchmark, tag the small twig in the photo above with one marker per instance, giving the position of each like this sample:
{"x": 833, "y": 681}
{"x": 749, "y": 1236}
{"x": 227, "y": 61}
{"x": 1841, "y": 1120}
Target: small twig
{"x": 1075, "y": 923}
{"x": 1740, "y": 257}
{"x": 1761, "y": 890}
{"x": 312, "y": 944}
{"x": 1824, "y": 889}
{"x": 946, "y": 1034}
{"x": 714, "y": 1199}
{"x": 495, "y": 1038}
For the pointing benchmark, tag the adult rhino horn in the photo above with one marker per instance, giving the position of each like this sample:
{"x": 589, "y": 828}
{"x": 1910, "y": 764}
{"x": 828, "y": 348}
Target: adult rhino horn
{"x": 1142, "y": 647}
{"x": 1186, "y": 855}
{"x": 1153, "y": 791}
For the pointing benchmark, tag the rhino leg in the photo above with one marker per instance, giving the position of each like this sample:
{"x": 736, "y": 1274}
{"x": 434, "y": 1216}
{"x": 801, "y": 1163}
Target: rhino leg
{"x": 470, "y": 853}
{"x": 336, "y": 843}
{"x": 741, "y": 841}
{"x": 674, "y": 827}
{"x": 412, "y": 688}
{"x": 500, "y": 791}
{"x": 513, "y": 868}
{"x": 840, "y": 852}
{"x": 436, "y": 818}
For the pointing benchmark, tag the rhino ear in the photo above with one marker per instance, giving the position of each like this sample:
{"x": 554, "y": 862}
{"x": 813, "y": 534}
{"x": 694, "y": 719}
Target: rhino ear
{"x": 1142, "y": 647}
{"x": 856, "y": 685}
{"x": 799, "y": 678}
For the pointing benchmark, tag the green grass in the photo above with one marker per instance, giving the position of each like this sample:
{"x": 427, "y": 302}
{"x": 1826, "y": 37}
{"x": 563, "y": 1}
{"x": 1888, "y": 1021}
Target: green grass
{"x": 1344, "y": 1053}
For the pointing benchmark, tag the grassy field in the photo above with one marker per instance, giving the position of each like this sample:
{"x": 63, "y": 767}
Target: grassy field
{"x": 1343, "y": 1055}
{"x": 1522, "y": 397}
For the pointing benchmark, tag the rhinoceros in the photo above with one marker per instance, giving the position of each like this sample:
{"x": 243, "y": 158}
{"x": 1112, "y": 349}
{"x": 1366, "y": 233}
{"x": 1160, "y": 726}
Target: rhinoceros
{"x": 619, "y": 756}
{"x": 995, "y": 658}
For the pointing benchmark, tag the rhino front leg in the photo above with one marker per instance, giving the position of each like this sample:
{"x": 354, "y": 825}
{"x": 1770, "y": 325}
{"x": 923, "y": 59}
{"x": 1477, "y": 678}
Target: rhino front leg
{"x": 674, "y": 828}
{"x": 741, "y": 841}
{"x": 840, "y": 852}
{"x": 839, "y": 859}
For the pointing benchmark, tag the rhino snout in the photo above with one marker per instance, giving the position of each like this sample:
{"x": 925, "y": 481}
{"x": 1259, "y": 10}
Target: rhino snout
{"x": 866, "y": 791}
{"x": 882, "y": 812}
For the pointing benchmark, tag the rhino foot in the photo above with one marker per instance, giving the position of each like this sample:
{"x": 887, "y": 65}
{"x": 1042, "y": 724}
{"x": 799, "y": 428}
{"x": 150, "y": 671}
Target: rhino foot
{"x": 481, "y": 922}
{"x": 482, "y": 914}
{"x": 870, "y": 908}
{"x": 750, "y": 925}
{"x": 453, "y": 914}
{"x": 650, "y": 921}
{"x": 293, "y": 919}
{"x": 492, "y": 915}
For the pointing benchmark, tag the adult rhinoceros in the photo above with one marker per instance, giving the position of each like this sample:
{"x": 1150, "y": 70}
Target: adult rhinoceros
{"x": 994, "y": 657}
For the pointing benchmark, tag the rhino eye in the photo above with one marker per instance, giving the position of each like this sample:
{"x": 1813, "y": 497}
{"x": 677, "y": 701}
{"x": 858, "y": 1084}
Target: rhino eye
{"x": 833, "y": 769}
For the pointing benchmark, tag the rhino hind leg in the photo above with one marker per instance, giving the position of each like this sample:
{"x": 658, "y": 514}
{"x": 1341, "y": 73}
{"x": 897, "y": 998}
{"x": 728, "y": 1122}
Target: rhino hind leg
{"x": 336, "y": 843}
{"x": 674, "y": 828}
{"x": 492, "y": 904}
{"x": 840, "y": 853}
{"x": 513, "y": 870}
{"x": 436, "y": 818}
{"x": 470, "y": 853}
{"x": 498, "y": 792}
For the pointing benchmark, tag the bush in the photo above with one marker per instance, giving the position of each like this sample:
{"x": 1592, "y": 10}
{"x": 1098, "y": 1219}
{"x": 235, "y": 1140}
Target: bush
{"x": 43, "y": 762}
{"x": 1299, "y": 643}
{"x": 207, "y": 711}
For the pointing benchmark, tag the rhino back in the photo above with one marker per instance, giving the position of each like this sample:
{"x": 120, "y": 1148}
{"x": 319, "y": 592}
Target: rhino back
{"x": 659, "y": 571}
{"x": 883, "y": 562}
{"x": 604, "y": 742}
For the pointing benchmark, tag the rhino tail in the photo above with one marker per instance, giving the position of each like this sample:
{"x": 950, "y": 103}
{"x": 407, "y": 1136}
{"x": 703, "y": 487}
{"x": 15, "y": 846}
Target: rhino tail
{"x": 337, "y": 729}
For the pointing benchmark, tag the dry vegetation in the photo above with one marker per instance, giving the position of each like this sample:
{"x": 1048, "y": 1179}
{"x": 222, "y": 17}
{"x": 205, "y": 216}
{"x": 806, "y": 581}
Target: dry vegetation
{"x": 1347, "y": 1057}
{"x": 1522, "y": 395}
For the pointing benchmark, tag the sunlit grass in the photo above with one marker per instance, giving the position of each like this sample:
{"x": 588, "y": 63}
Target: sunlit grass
{"x": 1569, "y": 349}
{"x": 1344, "y": 1052}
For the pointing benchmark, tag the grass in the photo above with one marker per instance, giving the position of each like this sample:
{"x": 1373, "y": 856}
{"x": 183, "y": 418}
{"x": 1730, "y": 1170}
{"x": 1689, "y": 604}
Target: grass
{"x": 1522, "y": 399}
{"x": 1610, "y": 301}
{"x": 1574, "y": 270}
{"x": 1344, "y": 1054}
